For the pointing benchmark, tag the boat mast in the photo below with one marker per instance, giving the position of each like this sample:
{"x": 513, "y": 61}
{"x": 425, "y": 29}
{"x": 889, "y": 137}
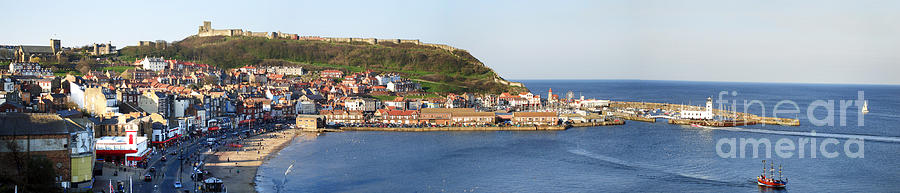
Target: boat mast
{"x": 779, "y": 172}
{"x": 772, "y": 169}
{"x": 764, "y": 168}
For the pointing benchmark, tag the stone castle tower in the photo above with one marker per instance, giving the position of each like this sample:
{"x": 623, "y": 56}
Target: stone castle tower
{"x": 206, "y": 27}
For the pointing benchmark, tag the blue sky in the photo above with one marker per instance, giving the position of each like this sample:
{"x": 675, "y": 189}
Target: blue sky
{"x": 810, "y": 41}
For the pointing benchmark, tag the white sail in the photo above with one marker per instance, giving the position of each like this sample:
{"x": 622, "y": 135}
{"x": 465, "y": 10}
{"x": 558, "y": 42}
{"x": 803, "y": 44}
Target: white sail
{"x": 865, "y": 107}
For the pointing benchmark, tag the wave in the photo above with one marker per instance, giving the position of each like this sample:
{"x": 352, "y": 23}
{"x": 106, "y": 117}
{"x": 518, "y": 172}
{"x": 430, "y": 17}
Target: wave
{"x": 654, "y": 168}
{"x": 883, "y": 115}
{"x": 810, "y": 134}
{"x": 280, "y": 185}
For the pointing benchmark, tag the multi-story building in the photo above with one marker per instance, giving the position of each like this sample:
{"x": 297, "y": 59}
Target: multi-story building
{"x": 305, "y": 107}
{"x": 331, "y": 74}
{"x": 153, "y": 63}
{"x": 156, "y": 102}
{"x": 397, "y": 116}
{"x": 28, "y": 69}
{"x": 402, "y": 86}
{"x": 310, "y": 121}
{"x": 344, "y": 117}
{"x": 473, "y": 118}
{"x": 286, "y": 70}
{"x": 440, "y": 116}
{"x": 535, "y": 118}
{"x": 100, "y": 101}
{"x": 361, "y": 104}
{"x": 68, "y": 145}
{"x": 76, "y": 93}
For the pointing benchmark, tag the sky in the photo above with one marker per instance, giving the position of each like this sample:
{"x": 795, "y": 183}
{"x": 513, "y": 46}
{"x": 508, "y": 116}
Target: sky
{"x": 803, "y": 41}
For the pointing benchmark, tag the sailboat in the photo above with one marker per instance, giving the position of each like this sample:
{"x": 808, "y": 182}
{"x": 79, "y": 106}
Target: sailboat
{"x": 865, "y": 107}
{"x": 770, "y": 181}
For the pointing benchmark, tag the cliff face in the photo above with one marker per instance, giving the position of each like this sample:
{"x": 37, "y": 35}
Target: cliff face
{"x": 438, "y": 69}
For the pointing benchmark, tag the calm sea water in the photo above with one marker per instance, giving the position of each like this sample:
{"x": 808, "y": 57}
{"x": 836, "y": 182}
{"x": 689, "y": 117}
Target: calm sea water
{"x": 651, "y": 157}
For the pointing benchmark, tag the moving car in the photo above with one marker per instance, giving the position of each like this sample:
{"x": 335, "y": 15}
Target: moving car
{"x": 148, "y": 178}
{"x": 177, "y": 184}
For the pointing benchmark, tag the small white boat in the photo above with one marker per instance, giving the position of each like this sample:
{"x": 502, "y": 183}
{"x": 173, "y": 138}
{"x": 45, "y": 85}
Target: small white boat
{"x": 865, "y": 107}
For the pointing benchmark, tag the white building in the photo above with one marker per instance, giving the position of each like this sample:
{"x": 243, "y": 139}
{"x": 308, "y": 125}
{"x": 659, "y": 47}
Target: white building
{"x": 76, "y": 94}
{"x": 131, "y": 148}
{"x": 154, "y": 64}
{"x": 360, "y": 105}
{"x": 179, "y": 106}
{"x": 28, "y": 69}
{"x": 593, "y": 103}
{"x": 385, "y": 79}
{"x": 306, "y": 107}
{"x": 402, "y": 86}
{"x": 706, "y": 114}
{"x": 286, "y": 70}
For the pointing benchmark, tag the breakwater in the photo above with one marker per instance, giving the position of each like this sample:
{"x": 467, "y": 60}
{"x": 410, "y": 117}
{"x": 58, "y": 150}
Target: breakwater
{"x": 594, "y": 124}
{"x": 743, "y": 118}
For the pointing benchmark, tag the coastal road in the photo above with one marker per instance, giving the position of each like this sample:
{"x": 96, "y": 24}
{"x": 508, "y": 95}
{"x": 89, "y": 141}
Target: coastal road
{"x": 173, "y": 169}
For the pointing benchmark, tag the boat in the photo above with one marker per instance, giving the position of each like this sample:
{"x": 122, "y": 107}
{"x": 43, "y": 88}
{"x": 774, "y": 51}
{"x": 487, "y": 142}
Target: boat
{"x": 769, "y": 180}
{"x": 865, "y": 107}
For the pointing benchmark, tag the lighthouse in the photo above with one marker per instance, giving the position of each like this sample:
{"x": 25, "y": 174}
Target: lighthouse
{"x": 550, "y": 95}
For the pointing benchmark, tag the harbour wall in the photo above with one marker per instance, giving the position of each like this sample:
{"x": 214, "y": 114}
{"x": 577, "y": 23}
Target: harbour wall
{"x": 594, "y": 124}
{"x": 425, "y": 129}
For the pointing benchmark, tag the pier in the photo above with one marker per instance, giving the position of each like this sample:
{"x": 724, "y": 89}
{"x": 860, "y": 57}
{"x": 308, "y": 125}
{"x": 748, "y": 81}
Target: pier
{"x": 736, "y": 118}
{"x": 594, "y": 124}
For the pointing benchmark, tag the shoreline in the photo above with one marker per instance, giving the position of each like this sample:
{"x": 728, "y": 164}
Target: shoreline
{"x": 472, "y": 128}
{"x": 238, "y": 167}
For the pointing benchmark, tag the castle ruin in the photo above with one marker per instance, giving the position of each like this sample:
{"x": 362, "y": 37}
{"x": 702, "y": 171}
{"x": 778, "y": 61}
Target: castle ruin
{"x": 207, "y": 30}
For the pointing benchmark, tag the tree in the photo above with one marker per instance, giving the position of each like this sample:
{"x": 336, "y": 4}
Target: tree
{"x": 85, "y": 64}
{"x": 127, "y": 74}
{"x": 33, "y": 173}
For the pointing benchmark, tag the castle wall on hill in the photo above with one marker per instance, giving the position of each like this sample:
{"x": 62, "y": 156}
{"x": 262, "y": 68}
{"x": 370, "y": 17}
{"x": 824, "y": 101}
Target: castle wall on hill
{"x": 207, "y": 30}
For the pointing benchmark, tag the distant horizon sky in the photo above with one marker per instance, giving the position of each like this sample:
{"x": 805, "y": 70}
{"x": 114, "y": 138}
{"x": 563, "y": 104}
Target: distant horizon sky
{"x": 804, "y": 41}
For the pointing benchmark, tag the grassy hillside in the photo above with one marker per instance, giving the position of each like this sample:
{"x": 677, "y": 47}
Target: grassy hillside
{"x": 438, "y": 70}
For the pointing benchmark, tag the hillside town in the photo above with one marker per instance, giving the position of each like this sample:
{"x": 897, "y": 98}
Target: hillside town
{"x": 159, "y": 106}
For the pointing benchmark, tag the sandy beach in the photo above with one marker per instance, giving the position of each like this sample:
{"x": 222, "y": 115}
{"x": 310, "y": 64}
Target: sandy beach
{"x": 237, "y": 166}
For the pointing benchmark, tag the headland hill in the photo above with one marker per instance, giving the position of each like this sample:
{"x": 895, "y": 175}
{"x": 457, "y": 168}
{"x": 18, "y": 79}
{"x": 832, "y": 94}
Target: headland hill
{"x": 438, "y": 67}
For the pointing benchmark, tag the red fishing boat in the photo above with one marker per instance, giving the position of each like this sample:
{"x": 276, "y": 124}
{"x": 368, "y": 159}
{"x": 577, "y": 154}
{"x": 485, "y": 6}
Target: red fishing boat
{"x": 770, "y": 181}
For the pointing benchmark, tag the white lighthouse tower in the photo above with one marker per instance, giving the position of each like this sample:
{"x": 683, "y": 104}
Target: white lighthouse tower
{"x": 550, "y": 96}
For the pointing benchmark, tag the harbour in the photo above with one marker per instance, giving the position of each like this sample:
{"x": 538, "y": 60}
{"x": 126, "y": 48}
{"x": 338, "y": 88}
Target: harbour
{"x": 612, "y": 158}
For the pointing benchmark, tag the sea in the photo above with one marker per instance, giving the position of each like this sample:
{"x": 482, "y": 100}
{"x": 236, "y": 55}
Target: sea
{"x": 858, "y": 155}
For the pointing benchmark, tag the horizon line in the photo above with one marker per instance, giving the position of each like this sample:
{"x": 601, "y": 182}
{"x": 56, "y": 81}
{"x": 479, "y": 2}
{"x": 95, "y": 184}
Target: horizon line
{"x": 718, "y": 81}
